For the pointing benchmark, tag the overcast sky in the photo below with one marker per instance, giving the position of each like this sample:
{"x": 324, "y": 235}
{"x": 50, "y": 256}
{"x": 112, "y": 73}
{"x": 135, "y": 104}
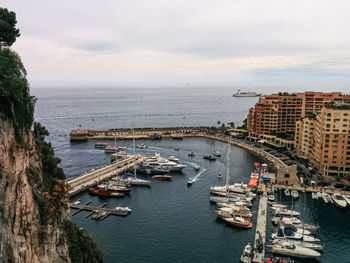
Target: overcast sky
{"x": 304, "y": 43}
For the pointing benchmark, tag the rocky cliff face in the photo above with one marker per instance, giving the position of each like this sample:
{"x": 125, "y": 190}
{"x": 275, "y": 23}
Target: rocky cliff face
{"x": 23, "y": 237}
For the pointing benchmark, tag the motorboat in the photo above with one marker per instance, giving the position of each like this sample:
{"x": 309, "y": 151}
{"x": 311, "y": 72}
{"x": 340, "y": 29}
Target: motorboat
{"x": 275, "y": 205}
{"x": 238, "y": 221}
{"x": 230, "y": 188}
{"x": 104, "y": 192}
{"x": 158, "y": 162}
{"x": 319, "y": 195}
{"x": 339, "y": 200}
{"x": 119, "y": 188}
{"x": 190, "y": 181}
{"x": 288, "y": 234}
{"x": 293, "y": 220}
{"x": 225, "y": 200}
{"x": 219, "y": 175}
{"x": 209, "y": 158}
{"x": 191, "y": 154}
{"x": 271, "y": 198}
{"x": 174, "y": 159}
{"x": 233, "y": 195}
{"x": 141, "y": 146}
{"x": 313, "y": 246}
{"x": 290, "y": 249}
{"x": 247, "y": 254}
{"x": 123, "y": 209}
{"x": 347, "y": 199}
{"x": 162, "y": 177}
{"x": 111, "y": 149}
{"x": 314, "y": 196}
{"x": 197, "y": 167}
{"x": 77, "y": 202}
{"x": 285, "y": 211}
{"x": 240, "y": 94}
{"x": 326, "y": 198}
{"x": 287, "y": 192}
{"x": 122, "y": 148}
{"x": 217, "y": 153}
{"x": 239, "y": 211}
{"x": 294, "y": 194}
{"x": 99, "y": 215}
{"x": 101, "y": 145}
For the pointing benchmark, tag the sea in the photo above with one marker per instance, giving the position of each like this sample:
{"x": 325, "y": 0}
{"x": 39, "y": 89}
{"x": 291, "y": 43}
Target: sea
{"x": 171, "y": 222}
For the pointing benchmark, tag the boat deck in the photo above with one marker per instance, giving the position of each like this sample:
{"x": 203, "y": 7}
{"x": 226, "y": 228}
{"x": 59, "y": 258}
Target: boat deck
{"x": 261, "y": 227}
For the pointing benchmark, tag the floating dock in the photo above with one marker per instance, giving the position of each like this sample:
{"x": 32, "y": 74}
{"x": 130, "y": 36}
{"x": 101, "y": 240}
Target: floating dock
{"x": 260, "y": 231}
{"x": 99, "y": 209}
{"x": 96, "y": 176}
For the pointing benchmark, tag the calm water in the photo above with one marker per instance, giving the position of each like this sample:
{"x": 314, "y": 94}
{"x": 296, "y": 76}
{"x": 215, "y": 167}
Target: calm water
{"x": 170, "y": 222}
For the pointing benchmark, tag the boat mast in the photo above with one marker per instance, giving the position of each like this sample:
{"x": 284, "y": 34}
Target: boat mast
{"x": 133, "y": 144}
{"x": 228, "y": 167}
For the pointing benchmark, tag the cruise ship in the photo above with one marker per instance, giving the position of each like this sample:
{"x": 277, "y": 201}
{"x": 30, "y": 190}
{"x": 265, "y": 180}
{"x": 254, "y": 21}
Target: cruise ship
{"x": 240, "y": 93}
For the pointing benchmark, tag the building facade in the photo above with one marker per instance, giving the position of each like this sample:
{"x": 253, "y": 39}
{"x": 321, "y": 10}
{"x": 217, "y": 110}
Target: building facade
{"x": 325, "y": 140}
{"x": 278, "y": 113}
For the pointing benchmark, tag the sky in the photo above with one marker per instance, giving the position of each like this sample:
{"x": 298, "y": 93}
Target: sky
{"x": 160, "y": 43}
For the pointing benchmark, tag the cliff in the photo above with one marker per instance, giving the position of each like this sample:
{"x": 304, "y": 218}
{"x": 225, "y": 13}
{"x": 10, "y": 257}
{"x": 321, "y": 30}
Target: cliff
{"x": 35, "y": 223}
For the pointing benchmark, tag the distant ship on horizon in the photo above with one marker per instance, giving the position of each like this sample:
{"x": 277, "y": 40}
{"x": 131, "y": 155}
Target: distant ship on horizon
{"x": 240, "y": 93}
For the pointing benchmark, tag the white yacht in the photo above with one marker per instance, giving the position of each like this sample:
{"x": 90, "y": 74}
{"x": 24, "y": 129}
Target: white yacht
{"x": 287, "y": 234}
{"x": 287, "y": 192}
{"x": 123, "y": 209}
{"x": 290, "y": 249}
{"x": 174, "y": 159}
{"x": 271, "y": 198}
{"x": 294, "y": 194}
{"x": 286, "y": 212}
{"x": 326, "y": 198}
{"x": 339, "y": 200}
{"x": 313, "y": 246}
{"x": 240, "y": 93}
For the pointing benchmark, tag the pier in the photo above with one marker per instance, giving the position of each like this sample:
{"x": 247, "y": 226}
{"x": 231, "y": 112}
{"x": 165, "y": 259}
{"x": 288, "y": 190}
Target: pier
{"x": 96, "y": 176}
{"x": 260, "y": 231}
{"x": 98, "y": 209}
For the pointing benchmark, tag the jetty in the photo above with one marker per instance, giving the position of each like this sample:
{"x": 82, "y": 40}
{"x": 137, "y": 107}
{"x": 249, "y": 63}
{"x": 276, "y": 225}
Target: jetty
{"x": 98, "y": 175}
{"x": 98, "y": 209}
{"x": 260, "y": 231}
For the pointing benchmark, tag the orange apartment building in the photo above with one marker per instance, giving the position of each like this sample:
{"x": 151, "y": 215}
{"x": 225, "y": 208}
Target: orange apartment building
{"x": 325, "y": 140}
{"x": 278, "y": 113}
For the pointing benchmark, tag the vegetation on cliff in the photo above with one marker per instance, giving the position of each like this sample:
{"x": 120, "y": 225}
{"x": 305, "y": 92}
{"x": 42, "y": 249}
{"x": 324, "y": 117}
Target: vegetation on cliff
{"x": 46, "y": 179}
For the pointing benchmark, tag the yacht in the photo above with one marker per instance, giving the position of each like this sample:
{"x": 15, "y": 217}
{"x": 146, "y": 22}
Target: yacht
{"x": 271, "y": 198}
{"x": 294, "y": 194}
{"x": 326, "y": 197}
{"x": 287, "y": 212}
{"x": 240, "y": 93}
{"x": 111, "y": 149}
{"x": 287, "y": 192}
{"x": 162, "y": 177}
{"x": 290, "y": 249}
{"x": 101, "y": 145}
{"x": 313, "y": 246}
{"x": 314, "y": 196}
{"x": 236, "y": 210}
{"x": 239, "y": 221}
{"x": 174, "y": 159}
{"x": 287, "y": 234}
{"x": 225, "y": 200}
{"x": 339, "y": 200}
{"x": 293, "y": 222}
{"x": 123, "y": 209}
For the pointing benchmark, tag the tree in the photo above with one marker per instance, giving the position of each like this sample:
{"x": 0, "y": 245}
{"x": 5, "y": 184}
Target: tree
{"x": 8, "y": 30}
{"x": 219, "y": 122}
{"x": 231, "y": 124}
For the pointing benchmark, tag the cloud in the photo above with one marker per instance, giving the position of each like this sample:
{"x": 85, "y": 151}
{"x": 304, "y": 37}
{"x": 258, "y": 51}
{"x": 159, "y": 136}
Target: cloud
{"x": 159, "y": 42}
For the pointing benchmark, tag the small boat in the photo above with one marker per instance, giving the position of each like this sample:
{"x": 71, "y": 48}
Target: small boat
{"x": 287, "y": 212}
{"x": 197, "y": 167}
{"x": 238, "y": 221}
{"x": 271, "y": 198}
{"x": 190, "y": 181}
{"x": 290, "y": 249}
{"x": 177, "y": 149}
{"x": 99, "y": 215}
{"x": 326, "y": 198}
{"x": 122, "y": 148}
{"x": 191, "y": 154}
{"x": 287, "y": 192}
{"x": 209, "y": 158}
{"x": 101, "y": 145}
{"x": 77, "y": 202}
{"x": 319, "y": 195}
{"x": 174, "y": 159}
{"x": 111, "y": 149}
{"x": 347, "y": 199}
{"x": 247, "y": 254}
{"x": 294, "y": 194}
{"x": 339, "y": 200}
{"x": 119, "y": 188}
{"x": 141, "y": 146}
{"x": 123, "y": 209}
{"x": 219, "y": 175}
{"x": 314, "y": 195}
{"x": 162, "y": 177}
{"x": 217, "y": 153}
{"x": 103, "y": 192}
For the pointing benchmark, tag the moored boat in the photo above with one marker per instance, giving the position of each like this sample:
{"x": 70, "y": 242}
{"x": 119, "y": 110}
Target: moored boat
{"x": 162, "y": 177}
{"x": 217, "y": 153}
{"x": 124, "y": 209}
{"x": 141, "y": 146}
{"x": 290, "y": 249}
{"x": 326, "y": 198}
{"x": 287, "y": 192}
{"x": 111, "y": 149}
{"x": 287, "y": 234}
{"x": 247, "y": 254}
{"x": 287, "y": 212}
{"x": 190, "y": 181}
{"x": 347, "y": 199}
{"x": 238, "y": 221}
{"x": 104, "y": 192}
{"x": 339, "y": 200}
{"x": 313, "y": 246}
{"x": 271, "y": 198}
{"x": 294, "y": 194}
{"x": 101, "y": 145}
{"x": 197, "y": 167}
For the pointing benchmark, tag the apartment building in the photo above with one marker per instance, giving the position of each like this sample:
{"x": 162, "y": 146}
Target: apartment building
{"x": 278, "y": 113}
{"x": 325, "y": 140}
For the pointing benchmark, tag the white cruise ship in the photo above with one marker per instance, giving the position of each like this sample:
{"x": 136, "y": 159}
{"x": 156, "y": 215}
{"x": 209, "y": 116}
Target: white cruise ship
{"x": 240, "y": 93}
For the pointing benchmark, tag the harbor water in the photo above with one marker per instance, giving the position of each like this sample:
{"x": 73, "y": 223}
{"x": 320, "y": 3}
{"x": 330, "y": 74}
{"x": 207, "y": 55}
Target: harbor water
{"x": 171, "y": 222}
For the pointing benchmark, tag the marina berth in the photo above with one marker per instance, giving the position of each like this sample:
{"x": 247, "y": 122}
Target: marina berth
{"x": 339, "y": 200}
{"x": 290, "y": 249}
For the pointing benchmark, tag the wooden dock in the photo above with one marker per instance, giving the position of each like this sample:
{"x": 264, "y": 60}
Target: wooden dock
{"x": 96, "y": 176}
{"x": 98, "y": 209}
{"x": 260, "y": 231}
